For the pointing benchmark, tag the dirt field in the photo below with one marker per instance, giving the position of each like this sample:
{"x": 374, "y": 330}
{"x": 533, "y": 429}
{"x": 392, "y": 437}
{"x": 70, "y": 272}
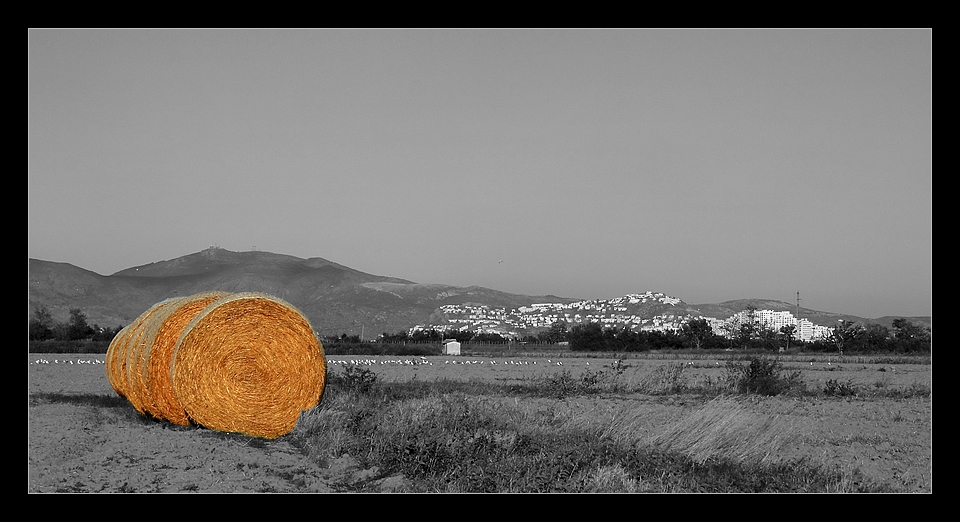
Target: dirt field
{"x": 86, "y": 439}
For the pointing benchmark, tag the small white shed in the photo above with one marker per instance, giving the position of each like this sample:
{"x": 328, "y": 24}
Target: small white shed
{"x": 451, "y": 347}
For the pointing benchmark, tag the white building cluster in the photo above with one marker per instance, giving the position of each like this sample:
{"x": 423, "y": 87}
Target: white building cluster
{"x": 772, "y": 320}
{"x": 619, "y": 312}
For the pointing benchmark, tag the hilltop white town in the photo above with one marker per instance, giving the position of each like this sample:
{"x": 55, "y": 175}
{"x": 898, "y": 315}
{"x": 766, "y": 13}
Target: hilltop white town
{"x": 620, "y": 312}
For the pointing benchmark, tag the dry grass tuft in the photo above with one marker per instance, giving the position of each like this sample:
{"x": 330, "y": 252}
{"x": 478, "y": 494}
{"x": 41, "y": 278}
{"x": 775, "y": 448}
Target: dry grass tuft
{"x": 611, "y": 479}
{"x": 725, "y": 429}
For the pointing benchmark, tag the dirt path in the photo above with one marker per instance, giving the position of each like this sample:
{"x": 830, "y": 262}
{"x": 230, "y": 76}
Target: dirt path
{"x": 78, "y": 448}
{"x": 82, "y": 437}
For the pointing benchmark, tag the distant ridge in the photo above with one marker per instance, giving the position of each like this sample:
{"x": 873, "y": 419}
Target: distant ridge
{"x": 335, "y": 298}
{"x": 729, "y": 308}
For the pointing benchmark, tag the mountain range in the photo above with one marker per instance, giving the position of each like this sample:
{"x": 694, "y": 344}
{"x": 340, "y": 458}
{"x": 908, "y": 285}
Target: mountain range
{"x": 335, "y": 298}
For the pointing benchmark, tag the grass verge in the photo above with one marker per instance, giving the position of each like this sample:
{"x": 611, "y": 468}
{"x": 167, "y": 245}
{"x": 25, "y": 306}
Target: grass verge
{"x": 470, "y": 437}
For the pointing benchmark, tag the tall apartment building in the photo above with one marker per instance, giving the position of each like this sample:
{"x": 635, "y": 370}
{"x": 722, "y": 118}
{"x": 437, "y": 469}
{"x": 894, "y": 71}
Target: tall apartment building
{"x": 805, "y": 330}
{"x": 774, "y": 320}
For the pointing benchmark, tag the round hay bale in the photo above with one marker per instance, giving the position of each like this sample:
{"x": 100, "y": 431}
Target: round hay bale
{"x": 114, "y": 361}
{"x": 116, "y": 358}
{"x": 248, "y": 363}
{"x": 138, "y": 352}
{"x": 164, "y": 333}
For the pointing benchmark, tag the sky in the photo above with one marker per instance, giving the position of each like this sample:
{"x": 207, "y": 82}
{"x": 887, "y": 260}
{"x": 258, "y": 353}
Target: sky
{"x": 708, "y": 164}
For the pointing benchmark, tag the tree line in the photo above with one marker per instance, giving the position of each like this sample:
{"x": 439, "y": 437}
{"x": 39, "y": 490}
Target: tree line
{"x": 846, "y": 337}
{"x": 43, "y": 327}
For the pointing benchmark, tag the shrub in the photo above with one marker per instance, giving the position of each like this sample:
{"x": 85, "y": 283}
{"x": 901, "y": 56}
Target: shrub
{"x": 914, "y": 390}
{"x": 355, "y": 378}
{"x": 763, "y": 377}
{"x": 835, "y": 388}
{"x": 666, "y": 379}
{"x": 565, "y": 384}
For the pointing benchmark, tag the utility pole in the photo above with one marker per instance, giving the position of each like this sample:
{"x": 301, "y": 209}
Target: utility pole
{"x": 798, "y": 305}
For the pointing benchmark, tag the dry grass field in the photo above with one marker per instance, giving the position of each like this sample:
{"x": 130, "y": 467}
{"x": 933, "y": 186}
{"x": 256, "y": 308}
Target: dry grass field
{"x": 82, "y": 437}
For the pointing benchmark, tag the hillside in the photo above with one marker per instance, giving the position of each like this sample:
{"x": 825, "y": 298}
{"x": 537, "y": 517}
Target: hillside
{"x": 335, "y": 298}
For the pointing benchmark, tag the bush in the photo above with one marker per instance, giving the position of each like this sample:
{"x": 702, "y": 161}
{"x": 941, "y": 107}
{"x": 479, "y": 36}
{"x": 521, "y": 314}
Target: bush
{"x": 564, "y": 384}
{"x": 835, "y": 388}
{"x": 763, "y": 377}
{"x": 667, "y": 379}
{"x": 354, "y": 378}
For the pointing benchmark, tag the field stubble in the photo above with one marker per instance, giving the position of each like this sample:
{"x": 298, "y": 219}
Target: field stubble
{"x": 89, "y": 446}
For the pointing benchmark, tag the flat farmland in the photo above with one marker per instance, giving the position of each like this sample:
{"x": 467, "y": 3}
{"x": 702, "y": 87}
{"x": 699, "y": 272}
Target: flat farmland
{"x": 82, "y": 437}
{"x": 85, "y": 373}
{"x": 816, "y": 370}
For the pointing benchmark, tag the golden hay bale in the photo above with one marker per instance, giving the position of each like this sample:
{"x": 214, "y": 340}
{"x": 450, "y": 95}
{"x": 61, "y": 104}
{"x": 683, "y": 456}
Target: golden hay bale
{"x": 113, "y": 363}
{"x": 116, "y": 358}
{"x": 138, "y": 352}
{"x": 248, "y": 363}
{"x": 165, "y": 331}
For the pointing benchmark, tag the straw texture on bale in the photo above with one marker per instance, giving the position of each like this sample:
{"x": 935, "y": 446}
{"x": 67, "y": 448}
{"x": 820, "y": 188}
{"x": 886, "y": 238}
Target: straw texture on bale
{"x": 163, "y": 331}
{"x": 113, "y": 362}
{"x": 116, "y": 358}
{"x": 248, "y": 363}
{"x": 138, "y": 353}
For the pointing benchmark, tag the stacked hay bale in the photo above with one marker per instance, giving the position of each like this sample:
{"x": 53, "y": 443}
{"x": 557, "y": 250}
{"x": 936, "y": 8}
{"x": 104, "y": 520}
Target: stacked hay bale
{"x": 122, "y": 344}
{"x": 247, "y": 363}
{"x": 139, "y": 351}
{"x": 157, "y": 371}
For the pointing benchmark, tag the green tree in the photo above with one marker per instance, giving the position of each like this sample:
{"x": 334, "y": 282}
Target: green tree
{"x": 463, "y": 337}
{"x": 845, "y": 333}
{"x": 77, "y": 327}
{"x": 620, "y": 339}
{"x": 41, "y": 325}
{"x": 426, "y": 336}
{"x": 787, "y": 332}
{"x": 746, "y": 334}
{"x": 487, "y": 337}
{"x": 730, "y": 328}
{"x": 696, "y": 332}
{"x": 876, "y": 338}
{"x": 766, "y": 337}
{"x": 344, "y": 338}
{"x": 586, "y": 337}
{"x": 748, "y": 329}
{"x": 557, "y": 333}
{"x": 910, "y": 337}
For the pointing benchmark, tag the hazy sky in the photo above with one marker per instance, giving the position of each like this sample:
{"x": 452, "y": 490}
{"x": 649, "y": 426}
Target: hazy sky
{"x": 707, "y": 164}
